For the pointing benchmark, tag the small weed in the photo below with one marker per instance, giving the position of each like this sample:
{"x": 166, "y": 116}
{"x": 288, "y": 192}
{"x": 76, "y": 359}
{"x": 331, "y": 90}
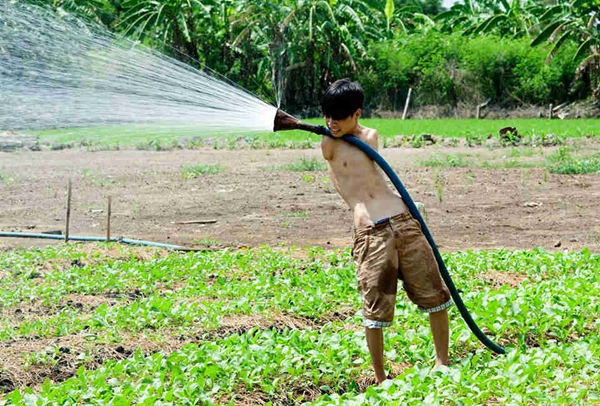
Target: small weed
{"x": 445, "y": 161}
{"x": 193, "y": 171}
{"x": 46, "y": 357}
{"x": 193, "y": 143}
{"x": 576, "y": 166}
{"x": 471, "y": 178}
{"x": 96, "y": 179}
{"x": 209, "y": 242}
{"x": 6, "y": 178}
{"x": 307, "y": 164}
{"x": 560, "y": 155}
{"x": 326, "y": 184}
{"x": 417, "y": 141}
{"x": 309, "y": 178}
{"x": 231, "y": 143}
{"x": 525, "y": 176}
{"x": 102, "y": 182}
{"x": 298, "y": 214}
{"x": 474, "y": 139}
{"x": 439, "y": 181}
{"x": 152, "y": 145}
{"x": 276, "y": 143}
{"x": 454, "y": 142}
{"x": 519, "y": 152}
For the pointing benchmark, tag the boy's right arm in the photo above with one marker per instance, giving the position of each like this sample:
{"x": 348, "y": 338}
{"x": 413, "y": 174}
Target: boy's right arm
{"x": 327, "y": 144}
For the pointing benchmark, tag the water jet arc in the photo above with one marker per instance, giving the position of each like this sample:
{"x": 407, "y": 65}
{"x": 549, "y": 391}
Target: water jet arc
{"x": 284, "y": 121}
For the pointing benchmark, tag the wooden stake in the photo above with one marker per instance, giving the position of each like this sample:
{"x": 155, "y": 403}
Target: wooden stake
{"x": 550, "y": 112}
{"x": 406, "y": 103}
{"x": 108, "y": 220}
{"x": 68, "y": 211}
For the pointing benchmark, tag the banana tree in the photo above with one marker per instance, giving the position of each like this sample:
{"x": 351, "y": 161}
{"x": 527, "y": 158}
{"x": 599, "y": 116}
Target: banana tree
{"x": 515, "y": 18}
{"x": 171, "y": 22}
{"x": 577, "y": 21}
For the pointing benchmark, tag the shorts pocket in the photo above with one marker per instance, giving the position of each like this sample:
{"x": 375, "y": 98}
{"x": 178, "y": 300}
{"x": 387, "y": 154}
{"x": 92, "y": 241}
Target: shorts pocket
{"x": 360, "y": 249}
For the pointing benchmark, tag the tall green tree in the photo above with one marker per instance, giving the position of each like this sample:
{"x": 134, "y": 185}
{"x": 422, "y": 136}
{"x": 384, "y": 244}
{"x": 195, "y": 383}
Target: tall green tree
{"x": 168, "y": 21}
{"x": 577, "y": 21}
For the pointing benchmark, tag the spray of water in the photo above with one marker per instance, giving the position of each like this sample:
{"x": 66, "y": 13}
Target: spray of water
{"x": 57, "y": 71}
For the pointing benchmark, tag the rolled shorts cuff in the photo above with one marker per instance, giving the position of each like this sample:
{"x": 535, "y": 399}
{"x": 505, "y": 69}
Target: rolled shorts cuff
{"x": 376, "y": 323}
{"x": 437, "y": 308}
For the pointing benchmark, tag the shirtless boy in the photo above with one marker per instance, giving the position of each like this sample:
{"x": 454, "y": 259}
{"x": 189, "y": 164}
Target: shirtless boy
{"x": 388, "y": 243}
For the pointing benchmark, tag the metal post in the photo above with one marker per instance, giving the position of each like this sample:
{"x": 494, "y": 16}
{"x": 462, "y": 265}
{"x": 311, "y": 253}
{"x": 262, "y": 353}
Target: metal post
{"x": 108, "y": 220}
{"x": 406, "y": 103}
{"x": 68, "y": 212}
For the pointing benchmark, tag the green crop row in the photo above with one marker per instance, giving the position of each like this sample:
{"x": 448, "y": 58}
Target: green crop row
{"x": 156, "y": 138}
{"x": 549, "y": 321}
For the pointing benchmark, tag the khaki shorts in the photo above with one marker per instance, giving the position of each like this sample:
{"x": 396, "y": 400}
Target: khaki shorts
{"x": 396, "y": 249}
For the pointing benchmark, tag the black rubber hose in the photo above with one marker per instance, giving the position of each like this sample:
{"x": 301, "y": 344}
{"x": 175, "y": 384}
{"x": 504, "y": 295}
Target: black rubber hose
{"x": 412, "y": 208}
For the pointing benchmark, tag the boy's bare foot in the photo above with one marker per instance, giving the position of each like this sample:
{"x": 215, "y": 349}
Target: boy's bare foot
{"x": 438, "y": 365}
{"x": 380, "y": 377}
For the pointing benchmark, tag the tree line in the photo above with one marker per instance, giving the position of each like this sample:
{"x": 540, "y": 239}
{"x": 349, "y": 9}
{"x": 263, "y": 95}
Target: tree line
{"x": 511, "y": 52}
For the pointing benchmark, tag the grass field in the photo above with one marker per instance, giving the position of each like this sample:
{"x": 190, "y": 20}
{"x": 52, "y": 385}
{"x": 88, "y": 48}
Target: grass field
{"x": 260, "y": 325}
{"x": 153, "y": 137}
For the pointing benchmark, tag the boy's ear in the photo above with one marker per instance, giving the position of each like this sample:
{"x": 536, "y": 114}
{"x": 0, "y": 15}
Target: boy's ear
{"x": 357, "y": 113}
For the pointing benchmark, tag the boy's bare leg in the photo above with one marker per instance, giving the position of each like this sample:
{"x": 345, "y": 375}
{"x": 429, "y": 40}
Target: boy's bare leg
{"x": 441, "y": 336}
{"x": 375, "y": 344}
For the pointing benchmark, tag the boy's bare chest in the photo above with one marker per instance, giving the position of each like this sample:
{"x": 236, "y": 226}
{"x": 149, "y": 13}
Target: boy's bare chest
{"x": 347, "y": 159}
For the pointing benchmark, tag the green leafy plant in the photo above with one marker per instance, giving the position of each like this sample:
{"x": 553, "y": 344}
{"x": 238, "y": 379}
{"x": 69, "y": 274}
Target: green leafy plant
{"x": 7, "y": 179}
{"x": 439, "y": 182}
{"x": 309, "y": 178}
{"x": 445, "y": 161}
{"x": 193, "y": 171}
{"x": 307, "y": 164}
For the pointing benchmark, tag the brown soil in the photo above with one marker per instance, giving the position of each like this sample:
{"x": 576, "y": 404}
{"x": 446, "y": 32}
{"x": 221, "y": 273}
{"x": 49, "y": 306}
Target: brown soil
{"x": 497, "y": 279}
{"x": 254, "y": 204}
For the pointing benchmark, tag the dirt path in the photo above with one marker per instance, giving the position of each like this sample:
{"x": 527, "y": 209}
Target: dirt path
{"x": 255, "y": 203}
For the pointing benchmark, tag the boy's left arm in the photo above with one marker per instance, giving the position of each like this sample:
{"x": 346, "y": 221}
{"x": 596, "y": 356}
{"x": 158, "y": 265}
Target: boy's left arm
{"x": 372, "y": 139}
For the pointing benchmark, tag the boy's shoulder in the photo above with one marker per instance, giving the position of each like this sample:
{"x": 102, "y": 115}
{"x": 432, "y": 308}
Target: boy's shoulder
{"x": 370, "y": 136}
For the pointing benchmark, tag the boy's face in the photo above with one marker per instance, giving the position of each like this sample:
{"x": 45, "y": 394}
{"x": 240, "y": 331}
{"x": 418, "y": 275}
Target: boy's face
{"x": 343, "y": 126}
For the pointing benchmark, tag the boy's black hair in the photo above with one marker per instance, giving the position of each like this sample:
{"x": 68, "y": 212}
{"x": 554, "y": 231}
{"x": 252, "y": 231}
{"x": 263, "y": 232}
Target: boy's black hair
{"x": 341, "y": 99}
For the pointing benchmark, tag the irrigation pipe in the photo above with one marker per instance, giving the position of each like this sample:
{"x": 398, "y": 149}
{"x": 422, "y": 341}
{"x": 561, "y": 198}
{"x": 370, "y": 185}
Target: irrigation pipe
{"x": 99, "y": 239}
{"x": 283, "y": 122}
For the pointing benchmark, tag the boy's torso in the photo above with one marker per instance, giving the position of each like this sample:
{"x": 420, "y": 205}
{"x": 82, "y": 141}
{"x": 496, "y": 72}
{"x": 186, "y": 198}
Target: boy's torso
{"x": 359, "y": 181}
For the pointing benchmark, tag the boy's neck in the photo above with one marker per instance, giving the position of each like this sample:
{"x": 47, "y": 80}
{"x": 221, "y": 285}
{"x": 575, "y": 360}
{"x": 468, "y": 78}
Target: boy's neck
{"x": 355, "y": 129}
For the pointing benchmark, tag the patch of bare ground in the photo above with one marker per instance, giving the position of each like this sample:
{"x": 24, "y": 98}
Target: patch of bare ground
{"x": 279, "y": 321}
{"x": 367, "y": 379}
{"x": 496, "y": 279}
{"x": 244, "y": 397}
{"x": 95, "y": 254}
{"x": 83, "y": 304}
{"x": 28, "y": 362}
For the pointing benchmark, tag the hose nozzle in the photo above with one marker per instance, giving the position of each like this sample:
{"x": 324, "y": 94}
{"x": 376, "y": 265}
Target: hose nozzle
{"x": 285, "y": 121}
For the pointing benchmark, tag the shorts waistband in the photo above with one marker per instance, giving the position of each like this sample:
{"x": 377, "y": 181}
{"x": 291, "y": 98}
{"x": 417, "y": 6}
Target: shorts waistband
{"x": 384, "y": 222}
